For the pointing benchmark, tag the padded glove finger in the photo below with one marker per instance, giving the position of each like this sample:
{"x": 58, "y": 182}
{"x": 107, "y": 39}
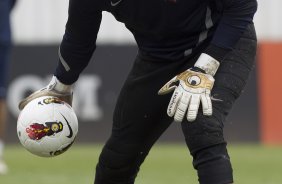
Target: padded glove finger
{"x": 174, "y": 100}
{"x": 193, "y": 107}
{"x": 182, "y": 107}
{"x": 206, "y": 104}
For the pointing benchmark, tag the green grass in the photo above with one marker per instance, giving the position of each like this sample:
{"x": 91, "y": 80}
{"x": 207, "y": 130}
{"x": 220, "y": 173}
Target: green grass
{"x": 166, "y": 164}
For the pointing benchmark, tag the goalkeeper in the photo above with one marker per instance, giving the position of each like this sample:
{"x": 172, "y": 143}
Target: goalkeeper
{"x": 193, "y": 62}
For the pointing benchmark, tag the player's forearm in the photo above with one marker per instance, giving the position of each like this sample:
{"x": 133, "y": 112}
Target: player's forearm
{"x": 217, "y": 52}
{"x": 73, "y": 58}
{"x": 237, "y": 14}
{"x": 79, "y": 41}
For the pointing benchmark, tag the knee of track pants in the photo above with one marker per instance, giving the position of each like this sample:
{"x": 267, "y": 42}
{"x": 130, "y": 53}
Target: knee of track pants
{"x": 206, "y": 131}
{"x": 206, "y": 143}
{"x": 213, "y": 165}
{"x": 118, "y": 163}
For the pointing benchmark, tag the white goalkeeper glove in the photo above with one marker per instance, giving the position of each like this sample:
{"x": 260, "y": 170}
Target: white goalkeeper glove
{"x": 192, "y": 87}
{"x": 54, "y": 88}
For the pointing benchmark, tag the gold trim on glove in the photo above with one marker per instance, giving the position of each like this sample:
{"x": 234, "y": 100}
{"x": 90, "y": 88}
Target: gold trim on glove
{"x": 196, "y": 79}
{"x": 191, "y": 79}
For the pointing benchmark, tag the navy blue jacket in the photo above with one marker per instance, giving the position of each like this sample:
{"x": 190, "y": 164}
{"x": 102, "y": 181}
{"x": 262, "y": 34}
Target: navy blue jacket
{"x": 163, "y": 29}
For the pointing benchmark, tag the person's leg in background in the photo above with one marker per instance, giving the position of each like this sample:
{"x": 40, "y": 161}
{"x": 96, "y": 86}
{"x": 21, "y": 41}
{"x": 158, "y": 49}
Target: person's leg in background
{"x": 3, "y": 167}
{"x": 204, "y": 137}
{"x": 5, "y": 45}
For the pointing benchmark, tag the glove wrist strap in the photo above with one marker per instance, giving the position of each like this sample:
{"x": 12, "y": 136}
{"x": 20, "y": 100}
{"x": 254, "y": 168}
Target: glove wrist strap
{"x": 207, "y": 63}
{"x": 56, "y": 85}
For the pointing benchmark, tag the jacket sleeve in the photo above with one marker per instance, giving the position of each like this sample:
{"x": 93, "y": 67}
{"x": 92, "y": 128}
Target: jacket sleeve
{"x": 79, "y": 40}
{"x": 236, "y": 15}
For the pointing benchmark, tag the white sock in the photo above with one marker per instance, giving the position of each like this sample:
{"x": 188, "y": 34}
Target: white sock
{"x": 1, "y": 148}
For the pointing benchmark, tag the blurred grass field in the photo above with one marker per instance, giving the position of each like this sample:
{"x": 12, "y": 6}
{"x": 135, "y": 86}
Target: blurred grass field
{"x": 166, "y": 164}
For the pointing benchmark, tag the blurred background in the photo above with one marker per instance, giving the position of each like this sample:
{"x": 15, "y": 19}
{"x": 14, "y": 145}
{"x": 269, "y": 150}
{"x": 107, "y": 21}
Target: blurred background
{"x": 254, "y": 124}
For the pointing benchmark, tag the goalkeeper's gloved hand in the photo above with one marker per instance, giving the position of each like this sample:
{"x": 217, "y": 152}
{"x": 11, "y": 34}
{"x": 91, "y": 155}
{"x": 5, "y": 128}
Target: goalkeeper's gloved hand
{"x": 190, "y": 88}
{"x": 54, "y": 88}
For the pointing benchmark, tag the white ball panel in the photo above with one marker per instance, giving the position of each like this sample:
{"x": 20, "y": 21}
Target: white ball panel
{"x": 47, "y": 127}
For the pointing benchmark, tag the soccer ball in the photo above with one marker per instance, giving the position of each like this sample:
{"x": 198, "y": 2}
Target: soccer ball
{"x": 47, "y": 126}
